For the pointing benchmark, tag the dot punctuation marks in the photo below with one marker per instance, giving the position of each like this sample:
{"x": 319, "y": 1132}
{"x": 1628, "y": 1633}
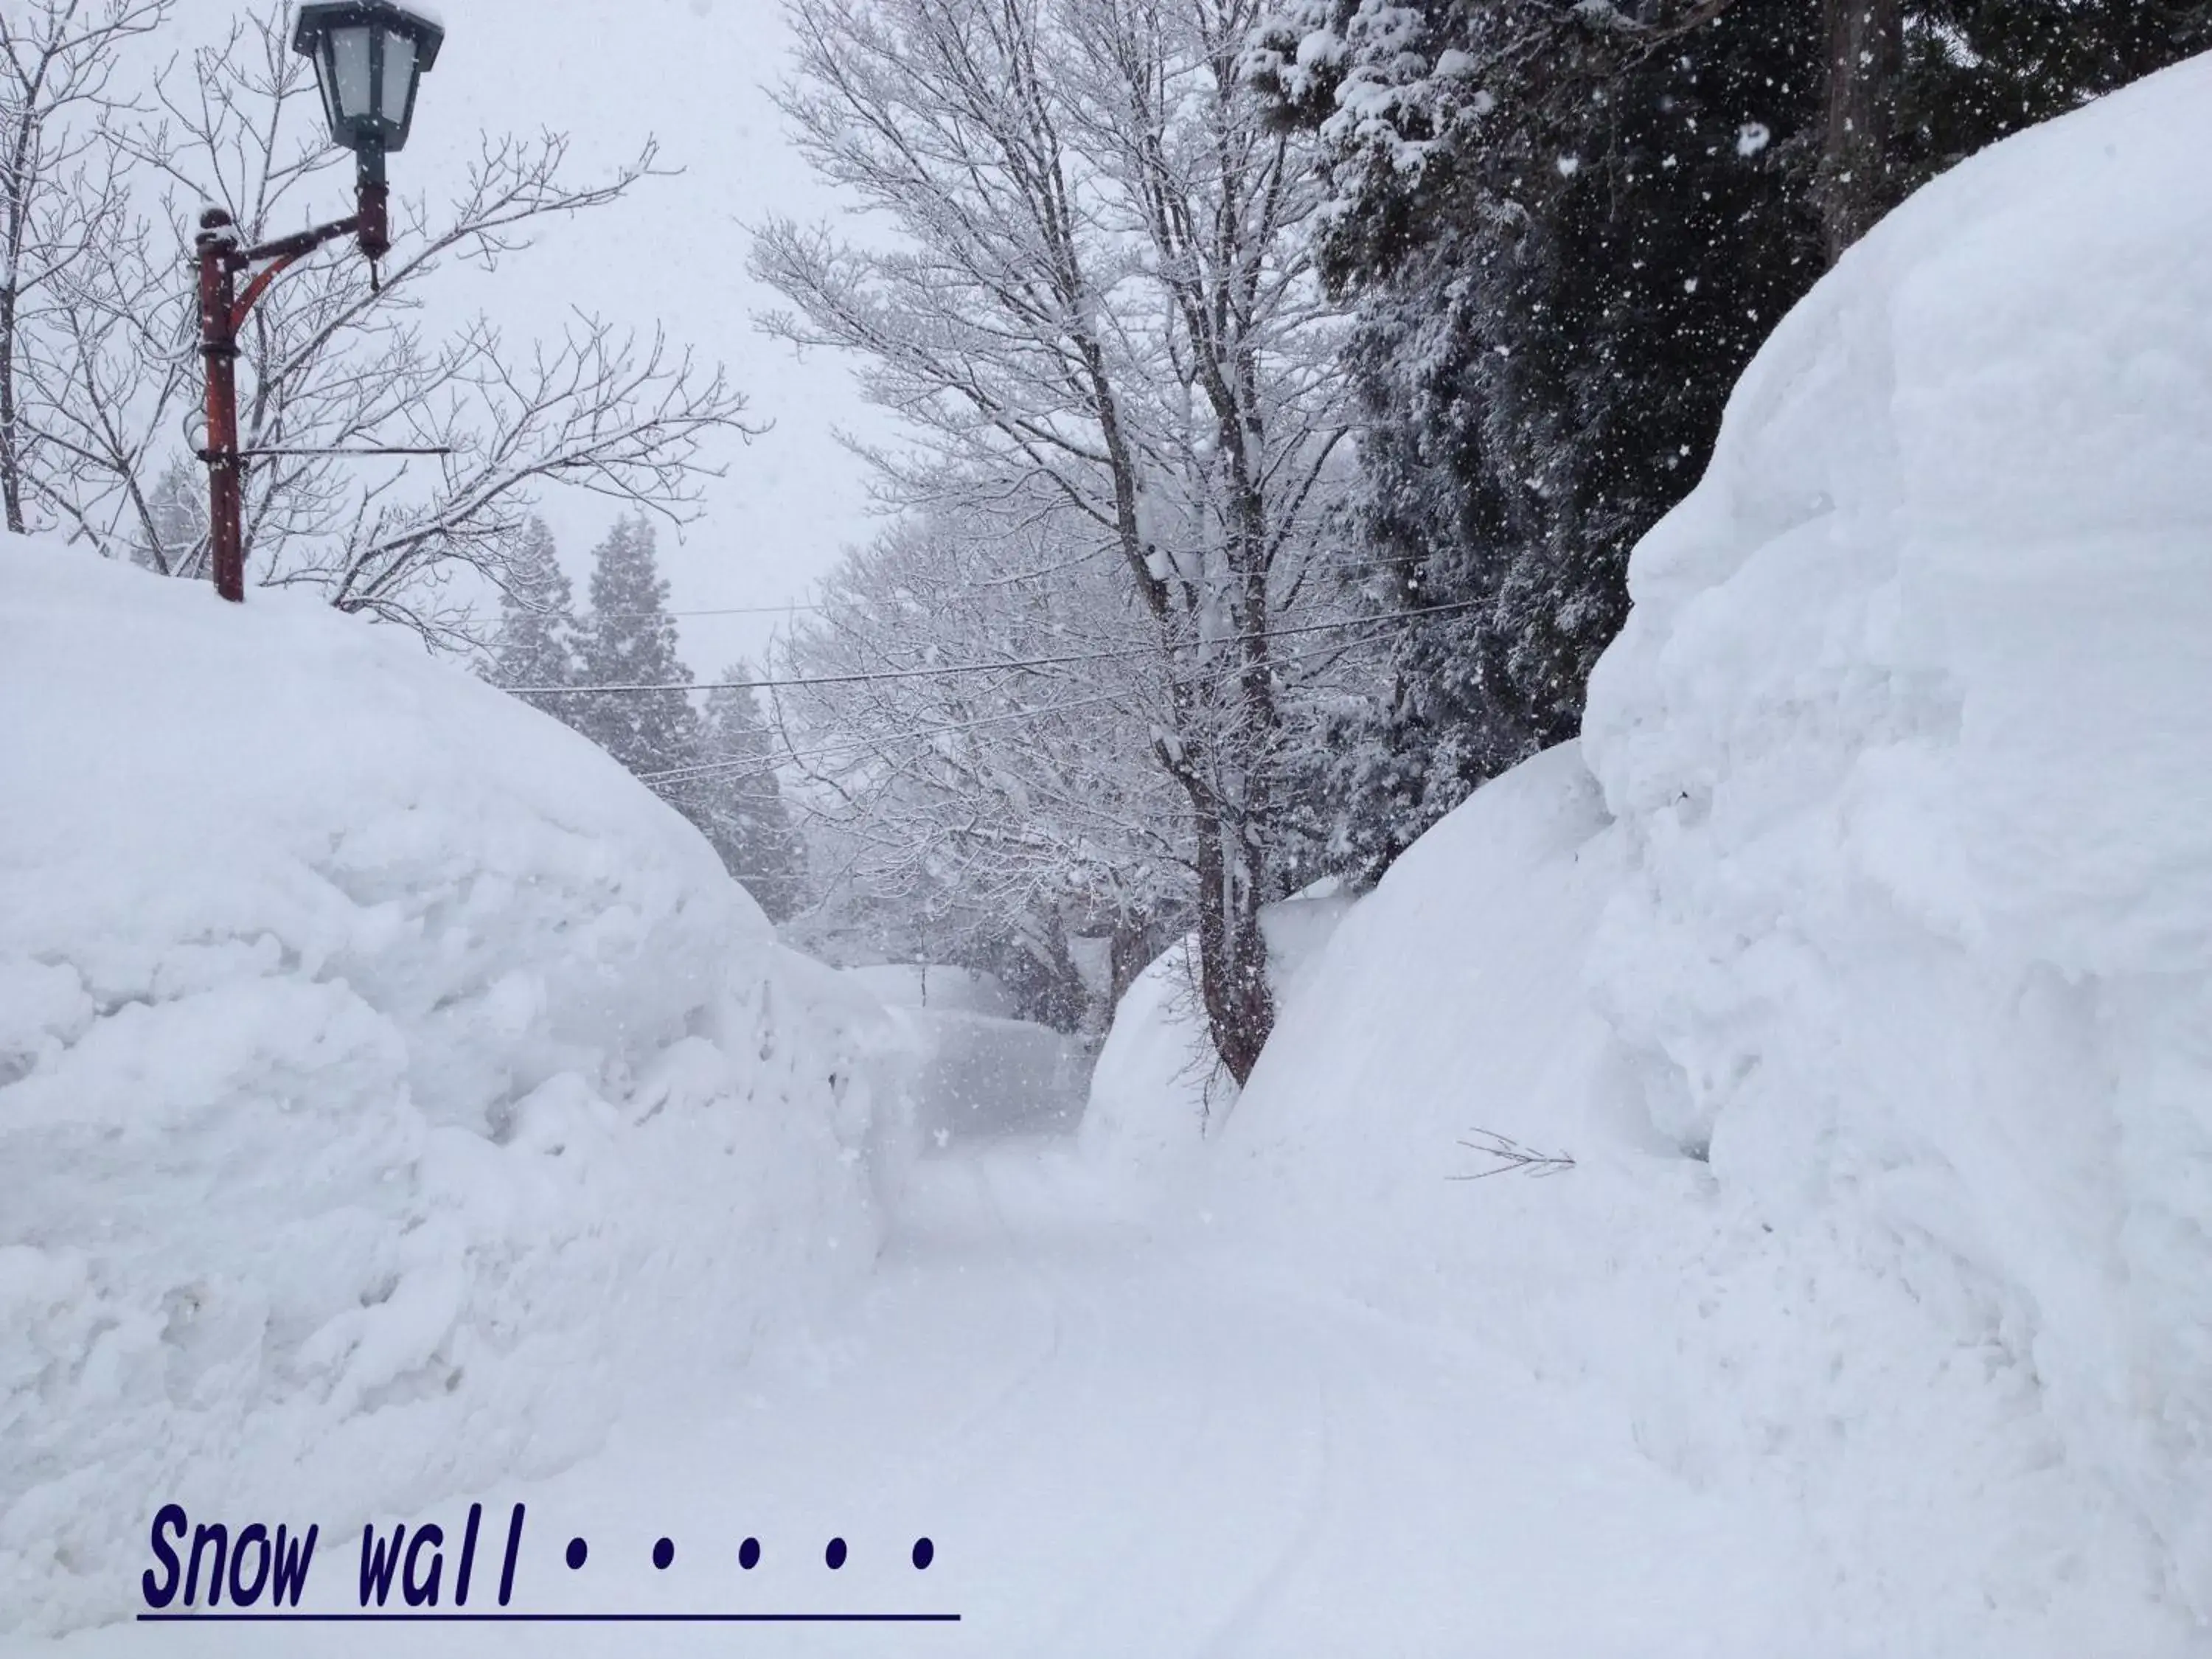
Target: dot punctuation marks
{"x": 749, "y": 1553}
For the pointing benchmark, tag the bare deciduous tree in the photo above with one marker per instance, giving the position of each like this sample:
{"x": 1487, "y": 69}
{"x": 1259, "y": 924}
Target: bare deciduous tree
{"x": 1102, "y": 291}
{"x": 62, "y": 194}
{"x": 334, "y": 365}
{"x": 1016, "y": 811}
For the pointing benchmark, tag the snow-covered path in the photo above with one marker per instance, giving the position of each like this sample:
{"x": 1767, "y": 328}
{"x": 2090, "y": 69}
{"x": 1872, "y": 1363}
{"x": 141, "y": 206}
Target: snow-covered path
{"x": 1119, "y": 1446}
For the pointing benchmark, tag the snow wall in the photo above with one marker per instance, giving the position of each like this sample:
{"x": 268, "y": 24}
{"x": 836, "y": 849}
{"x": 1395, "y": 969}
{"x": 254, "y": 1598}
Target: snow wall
{"x": 1911, "y": 732}
{"x": 1865, "y": 968}
{"x": 388, "y": 1083}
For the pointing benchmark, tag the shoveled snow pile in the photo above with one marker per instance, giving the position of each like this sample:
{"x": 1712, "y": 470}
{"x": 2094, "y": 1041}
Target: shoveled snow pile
{"x": 1157, "y": 1093}
{"x": 1157, "y": 1089}
{"x": 1868, "y": 980}
{"x": 387, "y": 1083}
{"x": 1911, "y": 732}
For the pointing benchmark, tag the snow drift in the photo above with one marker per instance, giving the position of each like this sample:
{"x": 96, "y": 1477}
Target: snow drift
{"x": 1157, "y": 1089}
{"x": 1868, "y": 979}
{"x": 386, "y": 1080}
{"x": 1910, "y": 733}
{"x": 1159, "y": 1092}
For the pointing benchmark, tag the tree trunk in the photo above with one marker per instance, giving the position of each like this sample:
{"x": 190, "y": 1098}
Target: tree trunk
{"x": 1232, "y": 953}
{"x": 1857, "y": 184}
{"x": 11, "y": 461}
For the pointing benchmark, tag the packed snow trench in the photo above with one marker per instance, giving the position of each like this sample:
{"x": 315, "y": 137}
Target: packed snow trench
{"x": 1115, "y": 1449}
{"x": 399, "y": 1110}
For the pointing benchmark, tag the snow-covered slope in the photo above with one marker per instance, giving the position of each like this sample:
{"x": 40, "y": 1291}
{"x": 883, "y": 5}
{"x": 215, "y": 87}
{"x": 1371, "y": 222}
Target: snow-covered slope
{"x": 1157, "y": 1093}
{"x": 1911, "y": 733}
{"x": 1869, "y": 983}
{"x": 1836, "y": 1389}
{"x": 1157, "y": 1089}
{"x": 387, "y": 1082}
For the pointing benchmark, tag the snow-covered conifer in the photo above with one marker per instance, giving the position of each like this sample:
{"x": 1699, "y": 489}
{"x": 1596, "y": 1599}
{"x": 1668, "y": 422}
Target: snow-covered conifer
{"x": 536, "y": 642}
{"x": 737, "y": 802}
{"x": 629, "y": 640}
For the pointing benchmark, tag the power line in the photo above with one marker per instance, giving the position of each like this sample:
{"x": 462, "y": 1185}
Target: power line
{"x": 1365, "y": 562}
{"x": 943, "y": 670}
{"x": 699, "y": 771}
{"x": 726, "y": 611}
{"x": 862, "y": 745}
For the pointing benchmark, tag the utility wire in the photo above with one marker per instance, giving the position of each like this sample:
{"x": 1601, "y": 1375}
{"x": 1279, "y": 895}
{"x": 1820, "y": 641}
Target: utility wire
{"x": 940, "y": 671}
{"x": 863, "y": 745}
{"x": 726, "y": 610}
{"x": 1364, "y": 561}
{"x": 698, "y": 771}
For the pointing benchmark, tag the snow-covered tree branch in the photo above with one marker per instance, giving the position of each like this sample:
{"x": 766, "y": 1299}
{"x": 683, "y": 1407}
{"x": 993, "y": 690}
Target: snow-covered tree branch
{"x": 1096, "y": 292}
{"x": 336, "y": 365}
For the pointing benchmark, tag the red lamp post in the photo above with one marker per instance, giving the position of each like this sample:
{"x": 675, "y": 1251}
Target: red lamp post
{"x": 368, "y": 55}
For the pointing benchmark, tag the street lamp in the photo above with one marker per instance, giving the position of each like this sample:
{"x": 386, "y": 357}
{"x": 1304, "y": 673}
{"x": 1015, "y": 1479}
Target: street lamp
{"x": 369, "y": 55}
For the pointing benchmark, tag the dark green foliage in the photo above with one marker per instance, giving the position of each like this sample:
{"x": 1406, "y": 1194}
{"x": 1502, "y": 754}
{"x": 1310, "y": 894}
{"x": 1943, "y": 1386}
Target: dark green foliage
{"x": 736, "y": 803}
{"x": 1977, "y": 70}
{"x": 719, "y": 772}
{"x": 1552, "y": 304}
{"x": 1564, "y": 242}
{"x": 630, "y": 640}
{"x": 536, "y": 642}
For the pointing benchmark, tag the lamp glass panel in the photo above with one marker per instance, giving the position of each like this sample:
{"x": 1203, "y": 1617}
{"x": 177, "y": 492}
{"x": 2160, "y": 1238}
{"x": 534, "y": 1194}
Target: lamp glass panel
{"x": 398, "y": 71}
{"x": 327, "y": 81}
{"x": 350, "y": 64}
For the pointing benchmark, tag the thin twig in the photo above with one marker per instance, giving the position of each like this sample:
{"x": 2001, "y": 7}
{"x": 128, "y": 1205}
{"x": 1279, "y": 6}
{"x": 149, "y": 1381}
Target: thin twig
{"x": 1511, "y": 1157}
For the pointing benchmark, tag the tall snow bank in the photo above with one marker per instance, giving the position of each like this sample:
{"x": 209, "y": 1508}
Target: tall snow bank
{"x": 386, "y": 1080}
{"x": 1910, "y": 733}
{"x": 1840, "y": 1391}
{"x": 1158, "y": 1093}
{"x": 1866, "y": 981}
{"x": 1156, "y": 1088}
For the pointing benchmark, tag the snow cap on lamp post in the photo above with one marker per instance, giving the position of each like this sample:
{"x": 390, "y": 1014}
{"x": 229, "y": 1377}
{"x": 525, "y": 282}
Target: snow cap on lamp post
{"x": 368, "y": 55}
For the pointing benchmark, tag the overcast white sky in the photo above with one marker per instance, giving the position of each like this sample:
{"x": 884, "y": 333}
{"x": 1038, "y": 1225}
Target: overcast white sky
{"x": 692, "y": 73}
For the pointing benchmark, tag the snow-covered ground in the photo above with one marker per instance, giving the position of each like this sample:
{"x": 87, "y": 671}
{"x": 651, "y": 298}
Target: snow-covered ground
{"x": 1856, "y": 958}
{"x": 1117, "y": 1445}
{"x": 936, "y": 987}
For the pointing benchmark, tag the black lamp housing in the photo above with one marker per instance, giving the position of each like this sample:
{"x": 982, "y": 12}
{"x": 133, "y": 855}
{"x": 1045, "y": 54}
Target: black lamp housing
{"x": 369, "y": 55}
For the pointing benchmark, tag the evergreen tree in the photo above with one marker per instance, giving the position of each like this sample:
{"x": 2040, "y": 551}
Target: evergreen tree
{"x": 1977, "y": 70}
{"x": 740, "y": 806}
{"x": 1566, "y": 228}
{"x": 536, "y": 642}
{"x": 629, "y": 639}
{"x": 1562, "y": 244}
